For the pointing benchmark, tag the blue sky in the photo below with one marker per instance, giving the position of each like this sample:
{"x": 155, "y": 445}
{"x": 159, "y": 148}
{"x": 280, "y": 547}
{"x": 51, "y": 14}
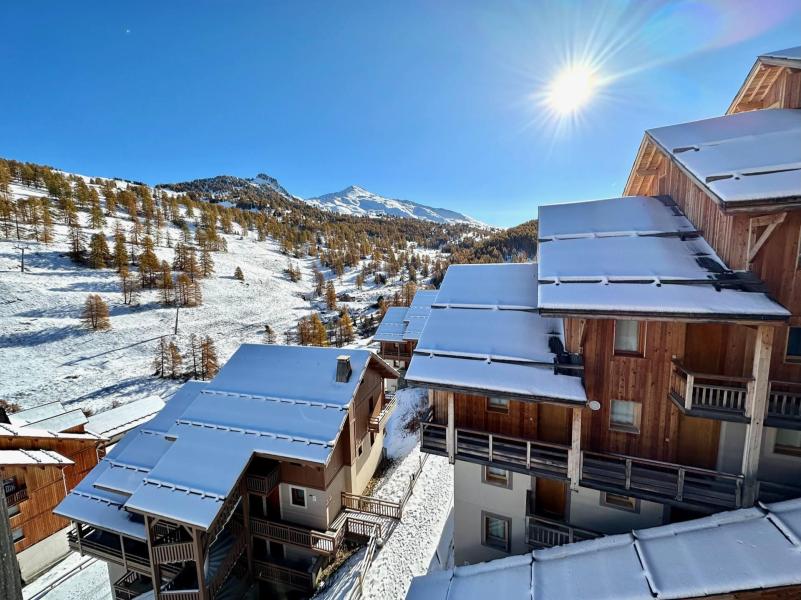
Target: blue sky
{"x": 434, "y": 101}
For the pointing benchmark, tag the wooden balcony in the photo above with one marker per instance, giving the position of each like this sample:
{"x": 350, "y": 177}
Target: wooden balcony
{"x": 273, "y": 572}
{"x": 547, "y": 533}
{"x": 108, "y": 547}
{"x": 679, "y": 485}
{"x": 376, "y": 424}
{"x": 784, "y": 405}
{"x": 17, "y": 496}
{"x": 709, "y": 396}
{"x": 375, "y": 506}
{"x": 317, "y": 541}
{"x": 541, "y": 459}
{"x": 131, "y": 585}
{"x": 263, "y": 484}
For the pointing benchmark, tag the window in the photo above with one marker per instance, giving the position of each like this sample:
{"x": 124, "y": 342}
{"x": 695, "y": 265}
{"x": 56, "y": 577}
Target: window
{"x": 297, "y": 496}
{"x": 500, "y": 405}
{"x": 496, "y": 531}
{"x": 359, "y": 449}
{"x": 625, "y": 416}
{"x": 17, "y": 534}
{"x": 793, "y": 352}
{"x": 496, "y": 476}
{"x": 620, "y": 502}
{"x": 787, "y": 442}
{"x": 629, "y": 338}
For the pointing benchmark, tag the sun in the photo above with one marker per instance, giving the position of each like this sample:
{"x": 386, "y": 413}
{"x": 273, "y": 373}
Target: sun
{"x": 572, "y": 88}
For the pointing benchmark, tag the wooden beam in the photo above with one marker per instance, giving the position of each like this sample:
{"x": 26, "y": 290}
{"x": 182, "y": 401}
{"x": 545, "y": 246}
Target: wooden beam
{"x": 574, "y": 454}
{"x": 647, "y": 172}
{"x": 756, "y": 407}
{"x": 770, "y": 223}
{"x": 155, "y": 568}
{"x": 197, "y": 544}
{"x": 10, "y": 582}
{"x": 450, "y": 434}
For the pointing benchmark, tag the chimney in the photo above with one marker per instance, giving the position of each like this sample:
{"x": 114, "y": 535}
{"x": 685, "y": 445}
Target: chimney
{"x": 343, "y": 368}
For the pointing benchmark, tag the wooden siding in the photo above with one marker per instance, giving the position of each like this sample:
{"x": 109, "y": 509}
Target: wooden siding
{"x": 768, "y": 86}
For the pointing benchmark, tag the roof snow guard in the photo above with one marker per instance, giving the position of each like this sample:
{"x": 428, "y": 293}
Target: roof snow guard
{"x": 744, "y": 159}
{"x": 639, "y": 256}
{"x": 484, "y": 336}
{"x": 754, "y": 549}
{"x": 392, "y": 325}
{"x": 277, "y": 401}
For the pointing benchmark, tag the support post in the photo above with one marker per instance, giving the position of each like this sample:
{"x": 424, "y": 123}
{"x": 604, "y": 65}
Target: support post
{"x": 756, "y": 406}
{"x": 450, "y": 433}
{"x": 155, "y": 568}
{"x": 10, "y": 580}
{"x": 574, "y": 454}
{"x": 200, "y": 559}
{"x": 246, "y": 511}
{"x": 688, "y": 392}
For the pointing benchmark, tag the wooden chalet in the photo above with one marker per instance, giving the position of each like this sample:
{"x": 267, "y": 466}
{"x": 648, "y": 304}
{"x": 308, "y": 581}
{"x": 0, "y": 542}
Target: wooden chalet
{"x": 648, "y": 369}
{"x": 38, "y": 467}
{"x": 401, "y": 327}
{"x": 247, "y": 478}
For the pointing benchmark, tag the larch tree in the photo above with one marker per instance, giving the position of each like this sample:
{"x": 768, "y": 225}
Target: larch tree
{"x": 98, "y": 251}
{"x": 191, "y": 268}
{"x": 330, "y": 296}
{"x": 166, "y": 284}
{"x": 206, "y": 262}
{"x": 76, "y": 242}
{"x": 238, "y": 274}
{"x": 192, "y": 356}
{"x": 319, "y": 334}
{"x": 120, "y": 258}
{"x": 162, "y": 357}
{"x": 129, "y": 286}
{"x": 96, "y": 313}
{"x": 346, "y": 328}
{"x": 174, "y": 360}
{"x": 209, "y": 365}
{"x": 319, "y": 281}
{"x": 47, "y": 221}
{"x": 96, "y": 217}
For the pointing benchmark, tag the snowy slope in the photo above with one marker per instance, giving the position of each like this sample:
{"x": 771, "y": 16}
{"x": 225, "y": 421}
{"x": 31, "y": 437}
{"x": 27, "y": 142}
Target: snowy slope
{"x": 357, "y": 201}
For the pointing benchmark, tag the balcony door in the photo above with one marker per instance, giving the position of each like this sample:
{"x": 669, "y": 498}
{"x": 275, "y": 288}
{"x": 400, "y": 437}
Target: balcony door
{"x": 550, "y": 498}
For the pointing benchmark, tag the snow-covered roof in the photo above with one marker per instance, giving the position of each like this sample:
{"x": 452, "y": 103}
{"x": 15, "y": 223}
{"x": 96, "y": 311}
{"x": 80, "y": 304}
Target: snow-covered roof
{"x": 281, "y": 401}
{"x": 638, "y": 256}
{"x": 788, "y": 55}
{"x": 51, "y": 416}
{"x": 746, "y": 157}
{"x": 392, "y": 325}
{"x": 424, "y": 298}
{"x": 114, "y": 422}
{"x": 747, "y": 549}
{"x": 486, "y": 337}
{"x": 510, "y": 286}
{"x": 14, "y": 431}
{"x": 35, "y": 458}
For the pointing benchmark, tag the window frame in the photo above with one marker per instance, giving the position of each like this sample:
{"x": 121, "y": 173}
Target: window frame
{"x": 506, "y": 547}
{"x": 498, "y": 409}
{"x": 630, "y": 508}
{"x": 783, "y": 450}
{"x": 642, "y": 327}
{"x": 633, "y": 429}
{"x": 14, "y": 537}
{"x": 292, "y": 490}
{"x": 790, "y": 360}
{"x": 505, "y": 482}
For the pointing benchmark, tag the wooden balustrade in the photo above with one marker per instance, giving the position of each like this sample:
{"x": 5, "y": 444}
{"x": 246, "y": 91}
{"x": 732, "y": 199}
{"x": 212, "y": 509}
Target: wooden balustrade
{"x": 180, "y": 594}
{"x": 129, "y": 586}
{"x": 706, "y": 395}
{"x": 546, "y": 533}
{"x": 173, "y": 553}
{"x": 263, "y": 484}
{"x": 17, "y": 496}
{"x": 784, "y": 405}
{"x": 228, "y": 507}
{"x": 227, "y": 565}
{"x": 377, "y": 423}
{"x": 659, "y": 481}
{"x": 297, "y": 536}
{"x": 371, "y": 505}
{"x": 278, "y": 573}
{"x": 113, "y": 553}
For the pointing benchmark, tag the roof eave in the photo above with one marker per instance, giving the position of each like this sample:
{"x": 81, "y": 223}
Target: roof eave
{"x": 666, "y": 316}
{"x": 485, "y": 392}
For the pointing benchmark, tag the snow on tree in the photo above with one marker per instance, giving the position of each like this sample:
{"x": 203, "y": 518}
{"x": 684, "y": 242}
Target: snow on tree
{"x": 95, "y": 313}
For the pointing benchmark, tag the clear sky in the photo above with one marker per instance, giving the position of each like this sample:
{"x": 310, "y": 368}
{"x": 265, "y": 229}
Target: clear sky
{"x": 440, "y": 102}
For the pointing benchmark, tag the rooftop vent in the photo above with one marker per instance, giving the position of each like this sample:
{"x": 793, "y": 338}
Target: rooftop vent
{"x": 343, "y": 368}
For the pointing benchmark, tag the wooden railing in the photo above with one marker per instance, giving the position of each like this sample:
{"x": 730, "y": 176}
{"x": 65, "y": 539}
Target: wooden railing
{"x": 297, "y": 536}
{"x": 375, "y": 506}
{"x": 784, "y": 404}
{"x": 263, "y": 484}
{"x": 659, "y": 481}
{"x": 180, "y": 594}
{"x": 228, "y": 507}
{"x": 173, "y": 553}
{"x": 433, "y": 438}
{"x": 17, "y": 496}
{"x": 546, "y": 533}
{"x": 709, "y": 395}
{"x": 113, "y": 554}
{"x": 123, "y": 587}
{"x": 367, "y": 559}
{"x": 277, "y": 573}
{"x": 377, "y": 423}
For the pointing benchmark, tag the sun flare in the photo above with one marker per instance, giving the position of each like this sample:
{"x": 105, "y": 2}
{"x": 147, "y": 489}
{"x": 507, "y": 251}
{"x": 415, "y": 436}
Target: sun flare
{"x": 572, "y": 88}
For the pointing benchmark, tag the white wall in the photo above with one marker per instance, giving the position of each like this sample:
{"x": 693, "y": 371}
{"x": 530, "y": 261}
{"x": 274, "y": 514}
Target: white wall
{"x": 471, "y": 497}
{"x": 587, "y": 512}
{"x": 313, "y": 515}
{"x": 780, "y": 468}
{"x": 43, "y": 554}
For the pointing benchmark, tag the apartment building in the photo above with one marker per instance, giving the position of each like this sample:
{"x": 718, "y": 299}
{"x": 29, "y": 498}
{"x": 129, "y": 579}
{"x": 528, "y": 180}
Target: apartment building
{"x": 648, "y": 369}
{"x": 246, "y": 478}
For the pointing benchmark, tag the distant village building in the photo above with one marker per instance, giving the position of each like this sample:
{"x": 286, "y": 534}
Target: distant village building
{"x": 648, "y": 369}
{"x": 44, "y": 453}
{"x": 253, "y": 476}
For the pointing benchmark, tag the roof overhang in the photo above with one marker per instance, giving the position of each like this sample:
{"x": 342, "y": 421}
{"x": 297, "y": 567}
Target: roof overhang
{"x": 498, "y": 394}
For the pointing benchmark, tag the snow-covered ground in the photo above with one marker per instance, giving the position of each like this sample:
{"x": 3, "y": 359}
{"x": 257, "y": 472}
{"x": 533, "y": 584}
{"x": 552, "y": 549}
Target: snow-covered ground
{"x": 84, "y": 578}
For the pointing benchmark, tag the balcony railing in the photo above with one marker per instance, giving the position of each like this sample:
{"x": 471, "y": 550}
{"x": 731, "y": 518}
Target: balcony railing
{"x": 107, "y": 547}
{"x": 784, "y": 405}
{"x": 278, "y": 573}
{"x": 173, "y": 553}
{"x": 546, "y": 533}
{"x": 304, "y": 538}
{"x": 530, "y": 457}
{"x": 224, "y": 570}
{"x": 377, "y": 423}
{"x": 131, "y": 585}
{"x": 706, "y": 395}
{"x": 375, "y": 506}
{"x": 670, "y": 483}
{"x": 17, "y": 496}
{"x": 263, "y": 484}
